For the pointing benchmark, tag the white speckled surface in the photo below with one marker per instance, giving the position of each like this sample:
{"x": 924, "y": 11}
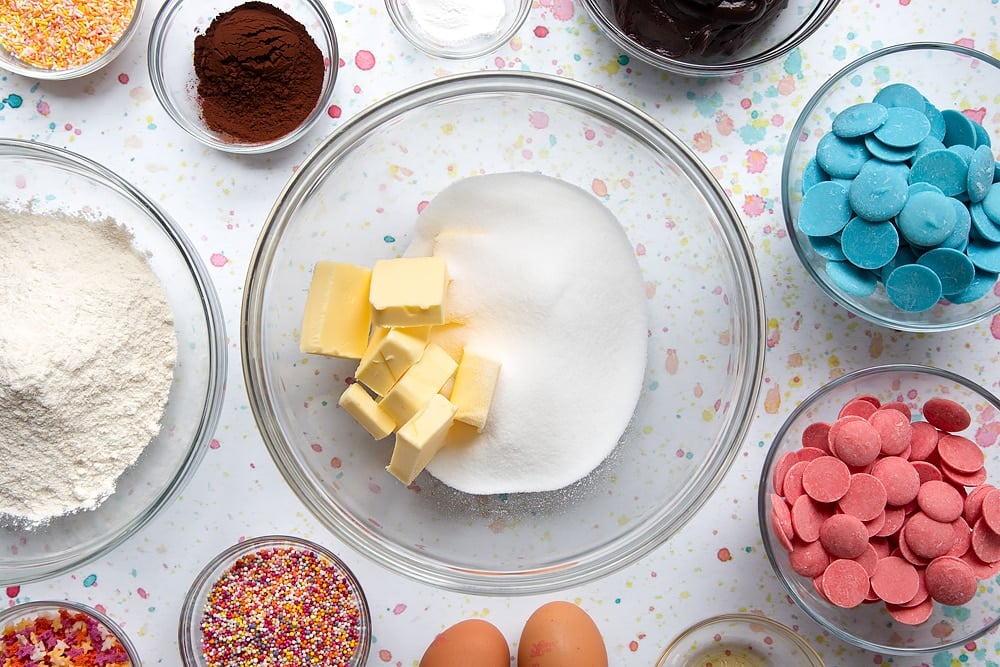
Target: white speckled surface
{"x": 738, "y": 127}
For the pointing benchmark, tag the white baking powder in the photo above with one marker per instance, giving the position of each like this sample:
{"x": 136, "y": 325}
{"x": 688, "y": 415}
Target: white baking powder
{"x": 455, "y": 21}
{"x": 87, "y": 350}
{"x": 545, "y": 281}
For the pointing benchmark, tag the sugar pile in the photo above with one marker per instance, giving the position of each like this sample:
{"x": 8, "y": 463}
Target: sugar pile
{"x": 544, "y": 280}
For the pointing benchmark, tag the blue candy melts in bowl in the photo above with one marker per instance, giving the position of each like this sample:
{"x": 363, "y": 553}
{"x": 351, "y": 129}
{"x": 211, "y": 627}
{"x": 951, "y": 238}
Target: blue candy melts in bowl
{"x": 907, "y": 133}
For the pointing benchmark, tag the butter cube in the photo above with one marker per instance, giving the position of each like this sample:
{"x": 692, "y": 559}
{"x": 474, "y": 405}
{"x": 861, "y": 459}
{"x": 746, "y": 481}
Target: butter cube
{"x": 389, "y": 357}
{"x": 409, "y": 291}
{"x": 338, "y": 314}
{"x": 363, "y": 408}
{"x": 475, "y": 383}
{"x": 424, "y": 380}
{"x": 419, "y": 439}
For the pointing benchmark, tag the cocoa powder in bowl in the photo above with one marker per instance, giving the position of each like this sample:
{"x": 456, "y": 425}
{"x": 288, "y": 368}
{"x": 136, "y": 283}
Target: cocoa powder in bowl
{"x": 260, "y": 73}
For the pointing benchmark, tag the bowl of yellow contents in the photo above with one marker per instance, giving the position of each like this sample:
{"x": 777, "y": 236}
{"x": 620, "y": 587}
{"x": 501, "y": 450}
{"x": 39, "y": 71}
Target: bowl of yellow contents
{"x": 503, "y": 333}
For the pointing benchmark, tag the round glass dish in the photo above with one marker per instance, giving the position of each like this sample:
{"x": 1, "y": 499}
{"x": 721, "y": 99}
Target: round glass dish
{"x": 950, "y": 77}
{"x": 440, "y": 37}
{"x": 170, "y": 59}
{"x": 739, "y": 639}
{"x": 705, "y": 345}
{"x": 79, "y": 623}
{"x": 793, "y": 25}
{"x": 52, "y": 180}
{"x": 267, "y": 571}
{"x": 12, "y": 63}
{"x": 870, "y": 626}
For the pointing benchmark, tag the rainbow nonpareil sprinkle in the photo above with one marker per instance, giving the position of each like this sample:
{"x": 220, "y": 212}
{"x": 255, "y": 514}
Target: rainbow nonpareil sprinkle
{"x": 68, "y": 638}
{"x": 59, "y": 34}
{"x": 281, "y": 606}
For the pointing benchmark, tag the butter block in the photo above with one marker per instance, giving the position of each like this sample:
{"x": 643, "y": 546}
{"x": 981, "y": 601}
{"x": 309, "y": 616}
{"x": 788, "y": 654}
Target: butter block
{"x": 423, "y": 380}
{"x": 363, "y": 408}
{"x": 337, "y": 316}
{"x": 390, "y": 356}
{"x": 475, "y": 384}
{"x": 409, "y": 291}
{"x": 420, "y": 438}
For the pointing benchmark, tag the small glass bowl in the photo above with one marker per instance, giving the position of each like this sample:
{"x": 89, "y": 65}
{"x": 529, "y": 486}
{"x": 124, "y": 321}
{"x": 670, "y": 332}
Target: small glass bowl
{"x": 190, "y": 635}
{"x": 28, "y": 612}
{"x": 439, "y": 42}
{"x": 10, "y": 62}
{"x": 739, "y": 639}
{"x": 793, "y": 25}
{"x": 171, "y": 66}
{"x": 949, "y": 76}
{"x": 869, "y": 626}
{"x": 54, "y": 180}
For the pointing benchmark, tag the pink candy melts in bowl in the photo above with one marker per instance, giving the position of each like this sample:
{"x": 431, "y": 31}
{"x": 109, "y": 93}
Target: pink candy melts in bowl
{"x": 878, "y": 509}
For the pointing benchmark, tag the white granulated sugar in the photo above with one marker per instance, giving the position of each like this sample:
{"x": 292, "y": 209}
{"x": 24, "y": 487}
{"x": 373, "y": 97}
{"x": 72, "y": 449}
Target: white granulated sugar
{"x": 544, "y": 280}
{"x": 87, "y": 350}
{"x": 454, "y": 21}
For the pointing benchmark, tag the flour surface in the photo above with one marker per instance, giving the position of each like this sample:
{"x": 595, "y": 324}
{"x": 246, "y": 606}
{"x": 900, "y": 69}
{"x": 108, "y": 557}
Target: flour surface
{"x": 543, "y": 279}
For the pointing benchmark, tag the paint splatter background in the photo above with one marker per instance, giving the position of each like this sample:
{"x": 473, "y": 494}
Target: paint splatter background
{"x": 738, "y": 126}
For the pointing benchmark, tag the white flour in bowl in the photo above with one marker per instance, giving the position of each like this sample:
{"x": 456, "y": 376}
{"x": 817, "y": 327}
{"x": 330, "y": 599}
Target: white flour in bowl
{"x": 87, "y": 352}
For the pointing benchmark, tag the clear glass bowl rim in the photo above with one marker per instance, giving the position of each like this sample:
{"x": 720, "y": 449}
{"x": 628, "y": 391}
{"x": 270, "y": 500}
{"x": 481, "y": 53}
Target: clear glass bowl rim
{"x": 786, "y": 177}
{"x": 87, "y": 68}
{"x": 37, "y": 607}
{"x": 314, "y": 168}
{"x": 765, "y": 481}
{"x": 214, "y": 323}
{"x": 772, "y": 625}
{"x": 610, "y": 26}
{"x": 154, "y": 49}
{"x": 194, "y": 601}
{"x": 458, "y": 52}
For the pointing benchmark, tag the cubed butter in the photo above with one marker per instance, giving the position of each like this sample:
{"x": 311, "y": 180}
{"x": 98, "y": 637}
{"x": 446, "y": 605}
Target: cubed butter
{"x": 423, "y": 380}
{"x": 363, "y": 408}
{"x": 419, "y": 439}
{"x": 409, "y": 291}
{"x": 475, "y": 383}
{"x": 389, "y": 357}
{"x": 338, "y": 313}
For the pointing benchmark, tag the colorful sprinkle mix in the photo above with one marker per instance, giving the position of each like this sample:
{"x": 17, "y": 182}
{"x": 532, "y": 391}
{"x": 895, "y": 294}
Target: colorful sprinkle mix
{"x": 59, "y": 34}
{"x": 281, "y": 606}
{"x": 68, "y": 638}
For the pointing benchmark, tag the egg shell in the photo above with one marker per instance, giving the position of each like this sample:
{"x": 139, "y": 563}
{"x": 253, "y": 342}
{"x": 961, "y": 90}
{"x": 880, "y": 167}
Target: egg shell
{"x": 561, "y": 634}
{"x": 470, "y": 643}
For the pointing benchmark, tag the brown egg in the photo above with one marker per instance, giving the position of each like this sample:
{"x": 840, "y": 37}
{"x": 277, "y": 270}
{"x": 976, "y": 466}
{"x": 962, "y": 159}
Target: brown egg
{"x": 470, "y": 643}
{"x": 561, "y": 634}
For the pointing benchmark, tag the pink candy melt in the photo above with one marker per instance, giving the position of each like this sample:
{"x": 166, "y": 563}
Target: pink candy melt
{"x": 876, "y": 508}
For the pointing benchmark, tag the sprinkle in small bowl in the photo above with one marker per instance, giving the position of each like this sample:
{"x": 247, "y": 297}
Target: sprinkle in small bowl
{"x": 37, "y": 634}
{"x": 275, "y": 600}
{"x": 48, "y": 39}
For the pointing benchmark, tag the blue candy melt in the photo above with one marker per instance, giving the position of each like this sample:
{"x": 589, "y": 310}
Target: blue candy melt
{"x": 904, "y": 127}
{"x": 958, "y": 129}
{"x": 936, "y": 120}
{"x": 901, "y": 95}
{"x": 927, "y": 145}
{"x": 851, "y": 279}
{"x": 913, "y": 288}
{"x": 980, "y": 287}
{"x": 841, "y": 158}
{"x": 953, "y": 268}
{"x": 980, "y": 176}
{"x": 812, "y": 174}
{"x": 825, "y": 209}
{"x": 959, "y": 237}
{"x": 859, "y": 119}
{"x": 927, "y": 219}
{"x": 985, "y": 228}
{"x": 888, "y": 153}
{"x": 984, "y": 255}
{"x": 942, "y": 168}
{"x": 827, "y": 247}
{"x": 869, "y": 245}
{"x": 879, "y": 191}
{"x": 991, "y": 204}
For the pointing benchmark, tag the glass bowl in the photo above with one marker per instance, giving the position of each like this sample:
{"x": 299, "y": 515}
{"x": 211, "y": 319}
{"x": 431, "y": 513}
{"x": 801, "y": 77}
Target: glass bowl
{"x": 244, "y": 568}
{"x": 792, "y": 26}
{"x": 739, "y": 639}
{"x": 171, "y": 67}
{"x": 870, "y": 626}
{"x": 950, "y": 77}
{"x": 12, "y": 63}
{"x": 52, "y": 180}
{"x": 444, "y": 41}
{"x": 356, "y": 199}
{"x": 81, "y": 619}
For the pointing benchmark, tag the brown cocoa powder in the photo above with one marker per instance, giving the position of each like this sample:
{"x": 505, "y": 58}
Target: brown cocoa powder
{"x": 259, "y": 73}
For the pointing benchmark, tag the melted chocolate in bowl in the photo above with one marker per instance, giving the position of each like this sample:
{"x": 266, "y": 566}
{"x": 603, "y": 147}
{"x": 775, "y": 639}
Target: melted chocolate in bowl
{"x": 683, "y": 28}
